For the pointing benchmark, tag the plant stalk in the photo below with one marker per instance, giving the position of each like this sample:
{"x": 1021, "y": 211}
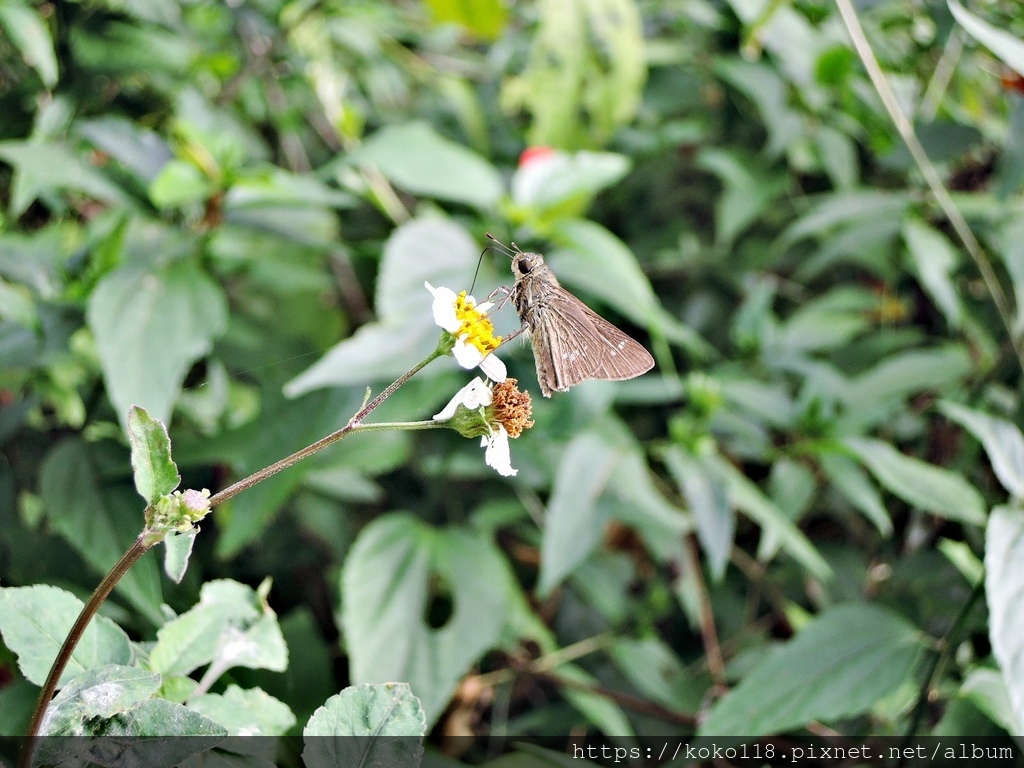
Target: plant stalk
{"x": 353, "y": 424}
{"x": 930, "y": 174}
{"x": 149, "y": 537}
{"x": 139, "y": 547}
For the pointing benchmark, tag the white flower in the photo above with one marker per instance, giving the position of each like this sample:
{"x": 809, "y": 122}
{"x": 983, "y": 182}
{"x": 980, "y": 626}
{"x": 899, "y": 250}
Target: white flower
{"x": 467, "y": 321}
{"x": 476, "y": 417}
{"x": 496, "y": 452}
{"x": 474, "y": 395}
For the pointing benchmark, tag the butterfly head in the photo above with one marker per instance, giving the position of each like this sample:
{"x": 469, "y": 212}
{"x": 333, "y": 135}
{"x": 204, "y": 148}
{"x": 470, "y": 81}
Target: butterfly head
{"x": 525, "y": 263}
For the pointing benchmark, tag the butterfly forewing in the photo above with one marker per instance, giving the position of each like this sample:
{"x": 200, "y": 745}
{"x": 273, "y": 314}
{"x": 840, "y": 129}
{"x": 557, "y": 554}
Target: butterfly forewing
{"x": 562, "y": 348}
{"x": 572, "y": 343}
{"x": 622, "y": 357}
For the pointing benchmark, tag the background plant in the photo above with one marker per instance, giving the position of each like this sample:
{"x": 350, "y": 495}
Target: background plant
{"x": 226, "y": 214}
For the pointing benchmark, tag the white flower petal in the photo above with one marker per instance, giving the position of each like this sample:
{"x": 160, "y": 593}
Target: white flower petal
{"x": 476, "y": 394}
{"x": 493, "y": 368}
{"x": 444, "y": 307}
{"x": 466, "y": 355}
{"x": 496, "y": 452}
{"x": 473, "y": 395}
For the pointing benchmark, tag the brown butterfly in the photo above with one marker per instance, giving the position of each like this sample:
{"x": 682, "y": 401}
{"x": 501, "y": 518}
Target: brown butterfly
{"x": 571, "y": 343}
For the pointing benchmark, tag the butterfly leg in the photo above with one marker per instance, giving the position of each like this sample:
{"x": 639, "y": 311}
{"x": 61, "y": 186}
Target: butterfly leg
{"x": 518, "y": 331}
{"x": 502, "y": 290}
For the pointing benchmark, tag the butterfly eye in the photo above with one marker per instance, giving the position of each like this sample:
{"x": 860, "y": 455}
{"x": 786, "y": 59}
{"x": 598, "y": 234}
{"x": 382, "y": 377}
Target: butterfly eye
{"x": 523, "y": 265}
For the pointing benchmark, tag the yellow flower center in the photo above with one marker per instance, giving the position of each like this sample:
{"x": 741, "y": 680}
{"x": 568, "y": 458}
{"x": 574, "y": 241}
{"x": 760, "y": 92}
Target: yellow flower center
{"x": 474, "y": 324}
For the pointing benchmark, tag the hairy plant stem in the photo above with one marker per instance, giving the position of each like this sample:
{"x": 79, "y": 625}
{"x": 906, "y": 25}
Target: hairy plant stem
{"x": 354, "y": 424}
{"x": 930, "y": 174}
{"x": 150, "y": 537}
{"x": 138, "y": 548}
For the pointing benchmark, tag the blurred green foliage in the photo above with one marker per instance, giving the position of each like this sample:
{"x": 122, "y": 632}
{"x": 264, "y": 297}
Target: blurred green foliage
{"x": 225, "y": 213}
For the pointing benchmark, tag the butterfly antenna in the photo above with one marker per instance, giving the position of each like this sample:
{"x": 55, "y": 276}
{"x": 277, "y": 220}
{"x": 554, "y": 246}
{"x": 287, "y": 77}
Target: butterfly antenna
{"x": 510, "y": 251}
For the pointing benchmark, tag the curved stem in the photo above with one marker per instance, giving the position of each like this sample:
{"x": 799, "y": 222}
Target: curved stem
{"x": 930, "y": 174}
{"x": 353, "y": 424}
{"x": 138, "y": 548}
{"x": 149, "y": 537}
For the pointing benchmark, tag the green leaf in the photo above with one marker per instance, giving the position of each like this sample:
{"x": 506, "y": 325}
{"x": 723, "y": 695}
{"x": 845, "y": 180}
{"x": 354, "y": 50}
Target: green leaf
{"x": 155, "y": 472}
{"x": 575, "y": 520}
{"x": 1002, "y": 440}
{"x": 141, "y": 151}
{"x": 986, "y": 689}
{"x": 100, "y": 523}
{"x": 765, "y": 86}
{"x": 598, "y": 261}
{"x": 837, "y": 152}
{"x": 179, "y": 183}
{"x": 604, "y": 713}
{"x": 750, "y": 187}
{"x": 119, "y": 741}
{"x": 41, "y": 168}
{"x": 908, "y": 373}
{"x": 177, "y": 553}
{"x": 159, "y": 717}
{"x": 150, "y": 328}
{"x": 309, "y": 680}
{"x": 851, "y": 481}
{"x": 1004, "y": 45}
{"x": 98, "y": 693}
{"x": 426, "y": 249}
{"x": 638, "y": 502}
{"x": 935, "y": 260}
{"x": 791, "y": 486}
{"x": 166, "y": 12}
{"x": 31, "y": 36}
{"x": 34, "y": 622}
{"x": 961, "y": 555}
{"x": 244, "y": 712}
{"x": 919, "y": 483}
{"x": 657, "y": 672}
{"x": 847, "y": 209}
{"x": 484, "y": 18}
{"x": 1004, "y": 573}
{"x": 269, "y": 186}
{"x": 771, "y": 403}
{"x": 707, "y": 496}
{"x": 371, "y": 709}
{"x": 838, "y": 666}
{"x": 827, "y": 322}
{"x": 419, "y": 160}
{"x": 387, "y": 595}
{"x": 230, "y": 627}
{"x": 385, "y": 719}
{"x": 748, "y": 499}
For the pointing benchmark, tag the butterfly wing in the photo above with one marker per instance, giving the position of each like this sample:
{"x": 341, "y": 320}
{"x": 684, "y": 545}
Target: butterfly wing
{"x": 572, "y": 343}
{"x": 623, "y": 357}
